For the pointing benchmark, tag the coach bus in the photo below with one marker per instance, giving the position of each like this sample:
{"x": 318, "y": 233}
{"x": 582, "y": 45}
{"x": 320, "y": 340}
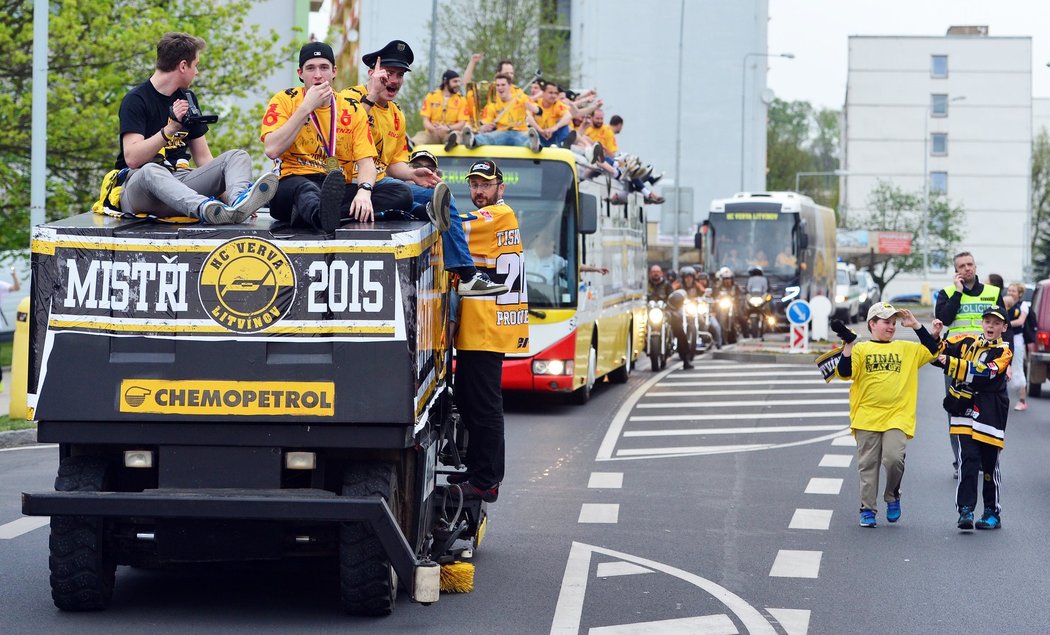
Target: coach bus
{"x": 786, "y": 234}
{"x": 582, "y": 326}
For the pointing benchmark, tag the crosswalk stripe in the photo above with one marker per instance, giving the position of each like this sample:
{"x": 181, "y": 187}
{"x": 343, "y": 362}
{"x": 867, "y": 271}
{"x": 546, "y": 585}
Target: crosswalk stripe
{"x": 720, "y": 393}
{"x": 751, "y": 415}
{"x": 736, "y": 404}
{"x": 741, "y": 430}
{"x": 766, "y": 382}
{"x": 695, "y": 449}
{"x": 23, "y": 525}
{"x": 779, "y": 373}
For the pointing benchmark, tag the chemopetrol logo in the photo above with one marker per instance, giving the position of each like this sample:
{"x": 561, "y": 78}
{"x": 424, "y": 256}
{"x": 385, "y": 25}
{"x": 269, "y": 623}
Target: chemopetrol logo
{"x": 230, "y": 398}
{"x": 247, "y": 284}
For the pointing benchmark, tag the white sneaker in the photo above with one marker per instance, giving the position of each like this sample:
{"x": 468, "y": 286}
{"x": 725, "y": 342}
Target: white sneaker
{"x": 258, "y": 194}
{"x": 437, "y": 208}
{"x": 215, "y": 212}
{"x": 466, "y": 138}
{"x": 534, "y": 140}
{"x": 481, "y": 285}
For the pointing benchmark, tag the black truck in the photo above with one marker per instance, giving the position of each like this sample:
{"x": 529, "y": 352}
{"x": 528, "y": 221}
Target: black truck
{"x": 246, "y": 392}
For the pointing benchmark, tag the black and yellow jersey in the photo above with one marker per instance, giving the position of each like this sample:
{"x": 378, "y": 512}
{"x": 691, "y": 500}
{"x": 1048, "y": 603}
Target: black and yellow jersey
{"x": 388, "y": 130}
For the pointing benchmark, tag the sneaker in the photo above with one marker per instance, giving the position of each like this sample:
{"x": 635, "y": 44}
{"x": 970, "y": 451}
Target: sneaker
{"x": 990, "y": 520}
{"x": 653, "y": 180}
{"x": 867, "y": 518}
{"x": 258, "y": 194}
{"x": 569, "y": 140}
{"x": 437, "y": 208}
{"x": 488, "y": 494}
{"x": 333, "y": 189}
{"x": 893, "y": 511}
{"x": 481, "y": 285}
{"x": 1021, "y": 406}
{"x": 965, "y": 519}
{"x": 214, "y": 212}
{"x": 451, "y": 141}
{"x": 534, "y": 140}
{"x": 467, "y": 137}
{"x": 654, "y": 199}
{"x": 618, "y": 198}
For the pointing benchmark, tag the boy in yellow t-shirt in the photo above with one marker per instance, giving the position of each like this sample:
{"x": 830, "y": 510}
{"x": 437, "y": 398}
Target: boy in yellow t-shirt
{"x": 882, "y": 400}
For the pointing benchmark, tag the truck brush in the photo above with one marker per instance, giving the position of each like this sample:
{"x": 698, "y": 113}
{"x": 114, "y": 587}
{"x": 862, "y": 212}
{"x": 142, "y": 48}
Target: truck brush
{"x": 457, "y": 577}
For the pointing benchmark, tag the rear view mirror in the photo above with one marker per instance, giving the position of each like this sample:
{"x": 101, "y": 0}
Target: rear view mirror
{"x": 588, "y": 215}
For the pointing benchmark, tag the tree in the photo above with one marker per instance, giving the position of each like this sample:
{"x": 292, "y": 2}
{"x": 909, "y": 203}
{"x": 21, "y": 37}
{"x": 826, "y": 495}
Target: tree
{"x": 800, "y": 138}
{"x": 1040, "y": 233}
{"x": 892, "y": 209}
{"x": 98, "y": 50}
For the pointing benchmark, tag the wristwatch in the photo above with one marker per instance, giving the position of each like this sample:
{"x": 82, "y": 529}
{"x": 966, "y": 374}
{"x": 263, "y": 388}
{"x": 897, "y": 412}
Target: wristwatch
{"x": 366, "y": 100}
{"x": 366, "y": 186}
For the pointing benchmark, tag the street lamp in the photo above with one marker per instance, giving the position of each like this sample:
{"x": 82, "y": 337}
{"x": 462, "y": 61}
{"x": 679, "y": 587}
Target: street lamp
{"x": 832, "y": 173}
{"x": 743, "y": 103}
{"x": 926, "y": 195}
{"x": 678, "y": 142}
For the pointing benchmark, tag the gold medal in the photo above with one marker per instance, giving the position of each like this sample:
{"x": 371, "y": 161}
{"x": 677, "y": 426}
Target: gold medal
{"x": 332, "y": 164}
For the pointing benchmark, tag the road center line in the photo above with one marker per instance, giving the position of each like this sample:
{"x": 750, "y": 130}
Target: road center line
{"x": 796, "y": 564}
{"x": 811, "y": 519}
{"x": 824, "y": 486}
{"x": 836, "y": 460}
{"x": 604, "y": 513}
{"x": 606, "y": 480}
{"x": 23, "y": 525}
{"x": 845, "y": 440}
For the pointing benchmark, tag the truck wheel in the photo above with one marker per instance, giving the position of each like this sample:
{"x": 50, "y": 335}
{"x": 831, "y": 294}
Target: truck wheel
{"x": 583, "y": 393}
{"x": 83, "y": 568}
{"x": 623, "y": 373}
{"x": 368, "y": 584}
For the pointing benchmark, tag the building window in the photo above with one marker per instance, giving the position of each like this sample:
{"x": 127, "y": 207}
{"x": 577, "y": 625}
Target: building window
{"x": 939, "y": 144}
{"x": 938, "y": 66}
{"x": 938, "y": 182}
{"x": 938, "y": 105}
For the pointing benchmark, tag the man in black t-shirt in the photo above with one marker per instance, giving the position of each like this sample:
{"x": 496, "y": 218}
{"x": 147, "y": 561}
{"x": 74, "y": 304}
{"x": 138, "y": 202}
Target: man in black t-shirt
{"x": 157, "y": 142}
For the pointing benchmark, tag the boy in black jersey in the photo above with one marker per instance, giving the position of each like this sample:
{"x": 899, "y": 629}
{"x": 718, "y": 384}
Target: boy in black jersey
{"x": 158, "y": 139}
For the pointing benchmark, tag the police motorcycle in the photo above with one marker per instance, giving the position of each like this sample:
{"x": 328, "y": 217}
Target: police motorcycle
{"x": 726, "y": 305}
{"x": 660, "y": 342}
{"x": 759, "y": 316}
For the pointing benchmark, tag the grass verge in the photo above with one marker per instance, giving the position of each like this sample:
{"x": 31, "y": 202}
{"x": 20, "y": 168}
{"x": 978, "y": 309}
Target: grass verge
{"x": 7, "y": 423}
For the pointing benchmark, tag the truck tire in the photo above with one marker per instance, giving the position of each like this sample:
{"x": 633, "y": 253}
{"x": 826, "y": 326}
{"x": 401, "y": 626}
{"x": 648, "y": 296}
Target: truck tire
{"x": 83, "y": 567}
{"x": 623, "y": 373}
{"x": 368, "y": 584}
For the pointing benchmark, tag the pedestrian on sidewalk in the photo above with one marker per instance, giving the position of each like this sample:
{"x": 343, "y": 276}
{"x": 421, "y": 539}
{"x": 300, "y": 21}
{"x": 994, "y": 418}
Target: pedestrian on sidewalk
{"x": 882, "y": 400}
{"x": 978, "y": 404}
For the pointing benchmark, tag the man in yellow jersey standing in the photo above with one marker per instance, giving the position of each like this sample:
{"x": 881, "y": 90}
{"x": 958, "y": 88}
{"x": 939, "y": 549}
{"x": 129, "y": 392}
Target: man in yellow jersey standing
{"x": 507, "y": 120}
{"x": 489, "y": 327}
{"x": 961, "y": 306}
{"x": 444, "y": 111}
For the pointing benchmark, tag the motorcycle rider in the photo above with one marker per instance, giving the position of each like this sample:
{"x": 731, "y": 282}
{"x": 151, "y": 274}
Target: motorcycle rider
{"x": 675, "y": 310}
{"x": 695, "y": 286}
{"x": 659, "y": 286}
{"x": 727, "y": 287}
{"x": 704, "y": 293}
{"x": 756, "y": 282}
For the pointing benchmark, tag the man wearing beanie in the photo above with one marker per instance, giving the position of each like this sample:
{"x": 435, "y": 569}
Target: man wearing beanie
{"x": 317, "y": 138}
{"x": 444, "y": 111}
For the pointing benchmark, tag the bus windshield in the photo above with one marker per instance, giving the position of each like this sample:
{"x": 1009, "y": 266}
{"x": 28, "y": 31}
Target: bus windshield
{"x": 543, "y": 195}
{"x": 743, "y": 240}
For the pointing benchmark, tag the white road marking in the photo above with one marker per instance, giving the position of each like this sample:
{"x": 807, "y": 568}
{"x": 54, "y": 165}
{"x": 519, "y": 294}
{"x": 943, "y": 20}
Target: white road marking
{"x": 741, "y": 430}
{"x": 739, "y": 404}
{"x": 613, "y": 569}
{"x": 569, "y": 610}
{"x": 746, "y": 415}
{"x": 824, "y": 486}
{"x": 23, "y": 525}
{"x": 796, "y": 564}
{"x": 605, "y": 450}
{"x": 606, "y": 480}
{"x": 779, "y": 373}
{"x": 845, "y": 440}
{"x": 721, "y": 393}
{"x": 604, "y": 513}
{"x": 696, "y": 449}
{"x": 794, "y": 621}
{"x": 766, "y": 382}
{"x": 706, "y": 625}
{"x": 30, "y": 447}
{"x": 836, "y": 460}
{"x": 811, "y": 519}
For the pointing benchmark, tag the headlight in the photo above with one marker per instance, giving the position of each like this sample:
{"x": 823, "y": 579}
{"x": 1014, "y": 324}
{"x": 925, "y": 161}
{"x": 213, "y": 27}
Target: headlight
{"x": 840, "y": 299}
{"x": 864, "y": 297}
{"x": 725, "y": 303}
{"x": 772, "y": 321}
{"x": 755, "y": 301}
{"x": 703, "y": 308}
{"x": 791, "y": 293}
{"x": 552, "y": 367}
{"x": 690, "y": 308}
{"x": 656, "y": 315}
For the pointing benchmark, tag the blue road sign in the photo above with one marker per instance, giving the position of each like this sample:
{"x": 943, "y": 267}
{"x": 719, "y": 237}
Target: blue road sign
{"x": 798, "y": 312}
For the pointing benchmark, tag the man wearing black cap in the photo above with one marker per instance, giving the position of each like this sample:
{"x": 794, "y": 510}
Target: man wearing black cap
{"x": 316, "y": 137}
{"x": 386, "y": 74}
{"x": 488, "y": 330}
{"x": 444, "y": 111}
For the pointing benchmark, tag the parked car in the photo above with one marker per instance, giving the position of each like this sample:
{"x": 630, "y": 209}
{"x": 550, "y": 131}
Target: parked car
{"x": 1038, "y": 358}
{"x": 913, "y": 298}
{"x": 847, "y": 293}
{"x": 870, "y": 293}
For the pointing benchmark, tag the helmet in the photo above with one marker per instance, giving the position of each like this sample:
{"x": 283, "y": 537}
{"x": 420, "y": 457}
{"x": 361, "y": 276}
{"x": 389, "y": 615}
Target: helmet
{"x": 687, "y": 271}
{"x": 724, "y": 272}
{"x": 676, "y": 299}
{"x": 754, "y": 271}
{"x": 703, "y": 276}
{"x": 671, "y": 275}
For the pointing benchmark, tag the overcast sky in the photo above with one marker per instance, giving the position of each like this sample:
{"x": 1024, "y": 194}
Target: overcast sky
{"x": 816, "y": 31}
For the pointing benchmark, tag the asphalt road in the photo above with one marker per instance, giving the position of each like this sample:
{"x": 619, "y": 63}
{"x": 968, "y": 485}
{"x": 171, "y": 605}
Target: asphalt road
{"x": 719, "y": 500}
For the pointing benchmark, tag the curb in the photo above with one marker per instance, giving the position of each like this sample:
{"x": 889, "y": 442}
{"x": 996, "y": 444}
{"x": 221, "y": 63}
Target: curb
{"x": 17, "y": 438}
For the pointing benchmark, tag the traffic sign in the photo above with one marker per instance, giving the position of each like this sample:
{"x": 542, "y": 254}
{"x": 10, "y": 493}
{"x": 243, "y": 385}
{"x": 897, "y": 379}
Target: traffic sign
{"x": 798, "y": 312}
{"x": 798, "y": 338}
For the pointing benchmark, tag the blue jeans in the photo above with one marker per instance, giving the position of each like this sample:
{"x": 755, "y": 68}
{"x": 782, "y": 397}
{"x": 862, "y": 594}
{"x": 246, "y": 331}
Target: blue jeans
{"x": 502, "y": 138}
{"x": 455, "y": 253}
{"x": 559, "y": 137}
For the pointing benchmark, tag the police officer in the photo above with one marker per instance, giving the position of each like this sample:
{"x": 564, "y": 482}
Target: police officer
{"x": 960, "y": 306}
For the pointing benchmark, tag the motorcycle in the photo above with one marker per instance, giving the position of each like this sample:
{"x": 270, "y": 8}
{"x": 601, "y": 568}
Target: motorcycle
{"x": 697, "y": 326}
{"x": 660, "y": 343}
{"x": 725, "y": 305}
{"x": 759, "y": 318}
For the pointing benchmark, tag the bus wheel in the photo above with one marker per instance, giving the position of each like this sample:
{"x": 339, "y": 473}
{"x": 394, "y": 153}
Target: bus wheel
{"x": 583, "y": 393}
{"x": 623, "y": 373}
{"x": 367, "y": 581}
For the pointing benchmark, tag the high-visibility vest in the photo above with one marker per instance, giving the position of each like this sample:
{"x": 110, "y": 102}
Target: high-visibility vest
{"x": 971, "y": 307}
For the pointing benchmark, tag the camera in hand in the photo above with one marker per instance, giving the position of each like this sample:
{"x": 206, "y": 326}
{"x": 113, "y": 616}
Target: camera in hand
{"x": 193, "y": 115}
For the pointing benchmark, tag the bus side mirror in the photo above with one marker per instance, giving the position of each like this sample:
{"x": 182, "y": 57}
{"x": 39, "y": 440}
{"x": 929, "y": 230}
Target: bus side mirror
{"x": 588, "y": 217}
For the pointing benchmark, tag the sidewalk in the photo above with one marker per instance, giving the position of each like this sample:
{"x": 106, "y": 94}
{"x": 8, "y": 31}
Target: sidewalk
{"x": 12, "y": 438}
